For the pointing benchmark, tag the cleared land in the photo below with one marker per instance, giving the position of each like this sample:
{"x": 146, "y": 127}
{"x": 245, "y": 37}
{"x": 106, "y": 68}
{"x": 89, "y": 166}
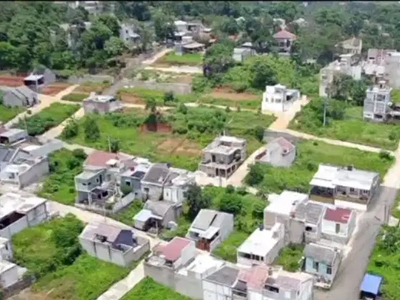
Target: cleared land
{"x": 191, "y": 132}
{"x": 83, "y": 91}
{"x": 351, "y": 128}
{"x": 309, "y": 155}
{"x": 172, "y": 59}
{"x": 55, "y": 88}
{"x": 11, "y": 81}
{"x": 141, "y": 96}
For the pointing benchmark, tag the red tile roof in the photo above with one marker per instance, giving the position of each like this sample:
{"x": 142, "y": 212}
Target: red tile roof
{"x": 284, "y": 34}
{"x": 2, "y": 129}
{"x": 254, "y": 277}
{"x": 285, "y": 144}
{"x": 338, "y": 215}
{"x": 172, "y": 251}
{"x": 100, "y": 158}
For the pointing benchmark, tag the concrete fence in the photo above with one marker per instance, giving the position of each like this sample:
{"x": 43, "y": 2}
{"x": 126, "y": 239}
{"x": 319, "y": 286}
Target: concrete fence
{"x": 90, "y": 78}
{"x": 177, "y": 88}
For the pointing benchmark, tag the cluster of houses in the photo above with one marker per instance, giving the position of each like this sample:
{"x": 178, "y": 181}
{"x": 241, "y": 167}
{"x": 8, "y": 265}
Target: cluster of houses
{"x": 23, "y": 161}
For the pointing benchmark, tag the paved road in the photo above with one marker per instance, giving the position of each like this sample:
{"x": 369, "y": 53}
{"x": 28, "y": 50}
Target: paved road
{"x": 352, "y": 269}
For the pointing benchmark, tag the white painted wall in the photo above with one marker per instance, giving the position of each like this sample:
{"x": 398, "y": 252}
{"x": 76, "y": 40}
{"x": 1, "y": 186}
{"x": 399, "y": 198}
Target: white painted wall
{"x": 213, "y": 291}
{"x": 9, "y": 276}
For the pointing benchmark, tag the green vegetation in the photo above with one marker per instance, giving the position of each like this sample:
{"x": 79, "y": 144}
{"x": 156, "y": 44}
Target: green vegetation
{"x": 309, "y": 155}
{"x": 395, "y": 209}
{"x": 51, "y": 251}
{"x": 395, "y": 96}
{"x": 127, "y": 214}
{"x": 228, "y": 248}
{"x": 290, "y": 257}
{"x": 60, "y": 185}
{"x": 192, "y": 129}
{"x": 247, "y": 104}
{"x": 9, "y": 113}
{"x": 189, "y": 59}
{"x": 146, "y": 95}
{"x": 48, "y": 118}
{"x": 75, "y": 97}
{"x": 148, "y": 289}
{"x": 346, "y": 124}
{"x": 384, "y": 261}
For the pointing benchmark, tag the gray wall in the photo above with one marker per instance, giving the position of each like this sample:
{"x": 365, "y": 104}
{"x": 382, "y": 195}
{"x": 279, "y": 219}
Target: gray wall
{"x": 90, "y": 78}
{"x": 34, "y": 173}
{"x": 177, "y": 88}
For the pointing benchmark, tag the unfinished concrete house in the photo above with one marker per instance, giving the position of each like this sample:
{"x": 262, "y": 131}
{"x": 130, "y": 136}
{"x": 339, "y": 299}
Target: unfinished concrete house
{"x": 101, "y": 104}
{"x": 223, "y": 156}
{"x": 377, "y": 103}
{"x": 278, "y": 98}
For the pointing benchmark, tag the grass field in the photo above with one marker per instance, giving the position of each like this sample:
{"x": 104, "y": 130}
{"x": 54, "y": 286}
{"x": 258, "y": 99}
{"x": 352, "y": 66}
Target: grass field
{"x": 148, "y": 289}
{"x": 309, "y": 155}
{"x": 247, "y": 104}
{"x": 227, "y": 249}
{"x": 182, "y": 147}
{"x": 352, "y": 129}
{"x": 141, "y": 95}
{"x": 289, "y": 257}
{"x": 48, "y": 118}
{"x": 9, "y": 113}
{"x": 189, "y": 59}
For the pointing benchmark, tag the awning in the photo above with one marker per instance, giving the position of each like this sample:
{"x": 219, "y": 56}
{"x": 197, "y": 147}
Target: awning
{"x": 210, "y": 232}
{"x": 322, "y": 183}
{"x": 143, "y": 216}
{"x": 33, "y": 77}
{"x": 193, "y": 45}
{"x": 371, "y": 284}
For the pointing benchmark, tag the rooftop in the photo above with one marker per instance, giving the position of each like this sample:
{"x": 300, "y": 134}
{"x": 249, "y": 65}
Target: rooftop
{"x": 203, "y": 265}
{"x": 255, "y": 277}
{"x": 280, "y": 144}
{"x": 100, "y": 98}
{"x": 208, "y": 222}
{"x": 173, "y": 250}
{"x": 112, "y": 234}
{"x": 371, "y": 284}
{"x": 286, "y": 203}
{"x": 12, "y": 202}
{"x": 284, "y": 34}
{"x": 309, "y": 212}
{"x": 260, "y": 242}
{"x": 101, "y": 158}
{"x": 320, "y": 253}
{"x": 226, "y": 276}
{"x": 12, "y": 131}
{"x": 157, "y": 174}
{"x": 158, "y": 208}
{"x": 338, "y": 215}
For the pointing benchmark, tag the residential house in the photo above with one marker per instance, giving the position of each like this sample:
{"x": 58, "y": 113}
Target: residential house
{"x": 97, "y": 186}
{"x": 19, "y": 96}
{"x": 18, "y": 212}
{"x": 128, "y": 34}
{"x": 176, "y": 186}
{"x": 343, "y": 186}
{"x": 377, "y": 103}
{"x": 131, "y": 180}
{"x": 101, "y": 104}
{"x": 39, "y": 78}
{"x": 338, "y": 224}
{"x": 262, "y": 246}
{"x": 308, "y": 216}
{"x": 154, "y": 180}
{"x": 44, "y": 149}
{"x": 210, "y": 228}
{"x": 347, "y": 64}
{"x": 371, "y": 287}
{"x": 22, "y": 169}
{"x": 352, "y": 45}
{"x": 156, "y": 215}
{"x": 260, "y": 282}
{"x": 10, "y": 273}
{"x": 223, "y": 156}
{"x": 300, "y": 22}
{"x": 10, "y": 136}
{"x": 375, "y": 63}
{"x": 278, "y": 98}
{"x": 392, "y": 69}
{"x": 285, "y": 40}
{"x": 278, "y": 153}
{"x": 113, "y": 244}
{"x": 240, "y": 54}
{"x": 322, "y": 262}
{"x": 281, "y": 210}
{"x": 178, "y": 265}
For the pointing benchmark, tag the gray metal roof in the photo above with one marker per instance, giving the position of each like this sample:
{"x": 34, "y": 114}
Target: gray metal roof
{"x": 208, "y": 217}
{"x": 225, "y": 276}
{"x": 6, "y": 154}
{"x": 320, "y": 254}
{"x": 309, "y": 212}
{"x": 157, "y": 174}
{"x": 158, "y": 208}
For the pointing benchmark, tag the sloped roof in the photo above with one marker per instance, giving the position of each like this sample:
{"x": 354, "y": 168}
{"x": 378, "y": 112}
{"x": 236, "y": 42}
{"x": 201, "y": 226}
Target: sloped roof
{"x": 207, "y": 218}
{"x": 338, "y": 215}
{"x": 100, "y": 158}
{"x": 158, "y": 208}
{"x": 158, "y": 174}
{"x": 320, "y": 253}
{"x": 284, "y": 34}
{"x": 173, "y": 250}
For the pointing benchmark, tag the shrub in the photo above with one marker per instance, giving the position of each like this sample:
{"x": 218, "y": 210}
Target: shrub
{"x": 385, "y": 155}
{"x": 71, "y": 130}
{"x": 255, "y": 175}
{"x": 169, "y": 97}
{"x": 92, "y": 131}
{"x": 75, "y": 97}
{"x": 231, "y": 203}
{"x": 228, "y": 109}
{"x": 79, "y": 154}
{"x": 259, "y": 133}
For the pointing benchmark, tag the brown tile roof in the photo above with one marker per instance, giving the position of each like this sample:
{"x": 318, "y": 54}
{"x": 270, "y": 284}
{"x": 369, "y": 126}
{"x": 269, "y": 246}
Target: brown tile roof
{"x": 285, "y": 144}
{"x": 100, "y": 158}
{"x": 172, "y": 251}
{"x": 254, "y": 277}
{"x": 338, "y": 215}
{"x": 284, "y": 34}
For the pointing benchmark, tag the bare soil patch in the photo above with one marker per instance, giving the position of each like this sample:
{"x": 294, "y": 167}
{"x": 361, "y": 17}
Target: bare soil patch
{"x": 229, "y": 94}
{"x": 170, "y": 144}
{"x": 157, "y": 127}
{"x": 11, "y": 81}
{"x": 189, "y": 147}
{"x": 93, "y": 87}
{"x": 131, "y": 98}
{"x": 55, "y": 88}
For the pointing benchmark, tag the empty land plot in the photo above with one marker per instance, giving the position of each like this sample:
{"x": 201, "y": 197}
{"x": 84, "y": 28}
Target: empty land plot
{"x": 9, "y": 113}
{"x": 11, "y": 81}
{"x": 89, "y": 87}
{"x": 229, "y": 93}
{"x": 55, "y": 88}
{"x": 172, "y": 59}
{"x": 351, "y": 128}
{"x": 141, "y": 96}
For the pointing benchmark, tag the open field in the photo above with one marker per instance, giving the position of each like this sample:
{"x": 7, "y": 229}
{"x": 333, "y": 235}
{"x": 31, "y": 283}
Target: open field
{"x": 83, "y": 91}
{"x": 171, "y": 59}
{"x": 191, "y": 132}
{"x": 11, "y": 81}
{"x": 141, "y": 96}
{"x": 225, "y": 92}
{"x": 351, "y": 128}
{"x": 309, "y": 155}
{"x": 9, "y": 113}
{"x": 55, "y": 88}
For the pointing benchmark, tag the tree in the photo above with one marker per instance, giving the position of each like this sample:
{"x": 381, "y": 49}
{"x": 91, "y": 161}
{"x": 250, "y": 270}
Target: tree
{"x": 114, "y": 145}
{"x": 229, "y": 26}
{"x": 259, "y": 132}
{"x": 111, "y": 22}
{"x": 262, "y": 75}
{"x": 151, "y": 105}
{"x": 71, "y": 130}
{"x": 196, "y": 200}
{"x": 182, "y": 108}
{"x": 92, "y": 131}
{"x": 169, "y": 97}
{"x": 114, "y": 46}
{"x": 79, "y": 154}
{"x": 218, "y": 58}
{"x": 229, "y": 189}
{"x": 231, "y": 203}
{"x": 255, "y": 175}
{"x": 163, "y": 26}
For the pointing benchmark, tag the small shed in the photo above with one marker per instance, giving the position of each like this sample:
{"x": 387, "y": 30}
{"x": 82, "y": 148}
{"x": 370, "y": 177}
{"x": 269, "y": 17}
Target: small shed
{"x": 370, "y": 287}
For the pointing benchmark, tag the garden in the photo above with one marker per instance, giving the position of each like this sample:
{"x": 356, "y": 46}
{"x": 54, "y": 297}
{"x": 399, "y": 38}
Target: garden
{"x": 290, "y": 257}
{"x": 187, "y": 59}
{"x": 345, "y": 122}
{"x": 309, "y": 155}
{"x": 8, "y": 113}
{"x": 385, "y": 261}
{"x": 176, "y": 136}
{"x": 48, "y": 118}
{"x": 83, "y": 90}
{"x": 148, "y": 289}
{"x": 52, "y": 253}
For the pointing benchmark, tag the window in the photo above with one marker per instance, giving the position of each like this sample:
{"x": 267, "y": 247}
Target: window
{"x": 316, "y": 265}
{"x": 337, "y": 227}
{"x": 146, "y": 190}
{"x": 97, "y": 180}
{"x": 328, "y": 270}
{"x": 352, "y": 190}
{"x": 128, "y": 183}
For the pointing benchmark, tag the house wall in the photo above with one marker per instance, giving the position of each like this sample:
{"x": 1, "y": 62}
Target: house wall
{"x": 171, "y": 215}
{"x": 49, "y": 77}
{"x": 227, "y": 227}
{"x": 14, "y": 228}
{"x": 34, "y": 173}
{"x": 9, "y": 277}
{"x": 278, "y": 160}
{"x": 328, "y": 230}
{"x": 214, "y": 291}
{"x": 155, "y": 192}
{"x": 37, "y": 215}
{"x": 175, "y": 194}
{"x": 135, "y": 185}
{"x": 90, "y": 183}
{"x": 321, "y": 273}
{"x": 6, "y": 251}
{"x": 47, "y": 148}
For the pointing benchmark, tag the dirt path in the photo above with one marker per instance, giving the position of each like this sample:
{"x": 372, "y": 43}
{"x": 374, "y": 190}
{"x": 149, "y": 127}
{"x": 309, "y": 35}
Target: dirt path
{"x": 178, "y": 69}
{"x": 156, "y": 57}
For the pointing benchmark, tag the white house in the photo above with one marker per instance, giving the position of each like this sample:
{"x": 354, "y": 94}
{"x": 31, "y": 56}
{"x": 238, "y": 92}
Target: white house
{"x": 18, "y": 212}
{"x": 210, "y": 228}
{"x": 278, "y": 98}
{"x": 113, "y": 244}
{"x": 338, "y": 224}
{"x": 176, "y": 187}
{"x": 278, "y": 153}
{"x": 262, "y": 246}
{"x": 9, "y": 273}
